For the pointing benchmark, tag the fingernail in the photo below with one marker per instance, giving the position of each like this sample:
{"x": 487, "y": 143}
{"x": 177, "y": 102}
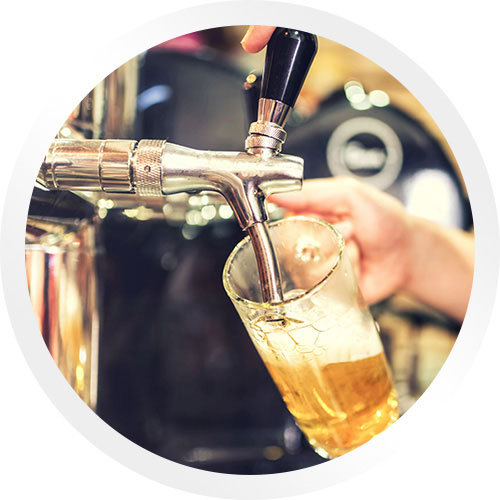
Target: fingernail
{"x": 247, "y": 35}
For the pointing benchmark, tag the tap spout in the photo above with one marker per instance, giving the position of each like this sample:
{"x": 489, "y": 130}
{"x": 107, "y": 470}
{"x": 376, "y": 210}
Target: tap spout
{"x": 243, "y": 179}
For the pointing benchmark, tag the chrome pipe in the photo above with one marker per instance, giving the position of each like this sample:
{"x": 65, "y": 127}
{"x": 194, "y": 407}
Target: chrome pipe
{"x": 63, "y": 287}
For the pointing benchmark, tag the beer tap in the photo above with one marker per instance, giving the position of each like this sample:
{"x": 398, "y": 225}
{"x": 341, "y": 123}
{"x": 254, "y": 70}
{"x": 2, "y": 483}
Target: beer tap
{"x": 289, "y": 56}
{"x": 153, "y": 168}
{"x": 141, "y": 173}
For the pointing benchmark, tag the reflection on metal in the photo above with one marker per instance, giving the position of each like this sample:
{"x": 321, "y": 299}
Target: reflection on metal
{"x": 60, "y": 255}
{"x": 266, "y": 135}
{"x": 62, "y": 283}
{"x": 88, "y": 165}
{"x": 109, "y": 110}
{"x": 158, "y": 168}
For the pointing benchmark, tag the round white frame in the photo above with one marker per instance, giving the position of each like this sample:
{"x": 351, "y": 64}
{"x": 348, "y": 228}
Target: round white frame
{"x": 324, "y": 475}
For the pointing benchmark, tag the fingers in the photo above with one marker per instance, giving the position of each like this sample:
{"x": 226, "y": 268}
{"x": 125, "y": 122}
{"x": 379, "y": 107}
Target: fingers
{"x": 257, "y": 37}
{"x": 345, "y": 228}
{"x": 320, "y": 196}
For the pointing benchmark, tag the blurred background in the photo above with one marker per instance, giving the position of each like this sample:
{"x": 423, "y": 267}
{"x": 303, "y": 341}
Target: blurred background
{"x": 128, "y": 291}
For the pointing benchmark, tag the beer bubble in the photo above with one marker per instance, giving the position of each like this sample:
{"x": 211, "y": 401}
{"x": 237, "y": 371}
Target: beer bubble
{"x": 307, "y": 251}
{"x": 325, "y": 323}
{"x": 293, "y": 294}
{"x": 263, "y": 325}
{"x": 319, "y": 350}
{"x": 304, "y": 348}
{"x": 280, "y": 342}
{"x": 322, "y": 302}
{"x": 305, "y": 338}
{"x": 323, "y": 340}
{"x": 258, "y": 334}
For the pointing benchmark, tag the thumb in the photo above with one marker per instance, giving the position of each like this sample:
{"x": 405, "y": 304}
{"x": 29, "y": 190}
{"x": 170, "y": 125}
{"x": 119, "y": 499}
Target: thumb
{"x": 256, "y": 38}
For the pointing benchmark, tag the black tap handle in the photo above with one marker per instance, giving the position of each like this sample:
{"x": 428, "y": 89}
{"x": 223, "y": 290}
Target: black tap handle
{"x": 288, "y": 58}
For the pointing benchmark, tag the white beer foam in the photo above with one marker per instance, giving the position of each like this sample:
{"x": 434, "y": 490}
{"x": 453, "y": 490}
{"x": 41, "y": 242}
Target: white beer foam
{"x": 339, "y": 336}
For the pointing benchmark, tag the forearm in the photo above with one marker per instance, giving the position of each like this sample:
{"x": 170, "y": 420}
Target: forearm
{"x": 441, "y": 267}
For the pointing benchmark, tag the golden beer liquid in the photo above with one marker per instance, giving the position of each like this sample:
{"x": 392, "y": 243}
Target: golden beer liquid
{"x": 330, "y": 368}
{"x": 339, "y": 406}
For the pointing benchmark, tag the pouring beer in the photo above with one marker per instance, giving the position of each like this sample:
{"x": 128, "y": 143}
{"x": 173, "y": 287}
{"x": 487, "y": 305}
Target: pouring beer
{"x": 304, "y": 313}
{"x": 320, "y": 345}
{"x": 313, "y": 331}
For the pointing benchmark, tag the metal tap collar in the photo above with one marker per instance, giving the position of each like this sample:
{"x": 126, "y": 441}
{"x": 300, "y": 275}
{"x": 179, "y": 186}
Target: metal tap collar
{"x": 273, "y": 111}
{"x": 266, "y": 135}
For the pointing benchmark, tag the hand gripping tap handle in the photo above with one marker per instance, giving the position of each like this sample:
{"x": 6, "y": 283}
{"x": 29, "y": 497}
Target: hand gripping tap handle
{"x": 288, "y": 59}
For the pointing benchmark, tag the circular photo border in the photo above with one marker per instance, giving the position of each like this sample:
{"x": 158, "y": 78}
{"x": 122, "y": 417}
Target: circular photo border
{"x": 321, "y": 476}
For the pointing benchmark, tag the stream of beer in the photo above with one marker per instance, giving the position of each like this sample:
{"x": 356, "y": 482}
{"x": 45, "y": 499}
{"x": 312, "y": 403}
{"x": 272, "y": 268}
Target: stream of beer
{"x": 267, "y": 263}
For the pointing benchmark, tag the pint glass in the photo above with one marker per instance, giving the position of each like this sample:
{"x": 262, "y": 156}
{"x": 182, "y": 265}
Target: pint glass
{"x": 320, "y": 345}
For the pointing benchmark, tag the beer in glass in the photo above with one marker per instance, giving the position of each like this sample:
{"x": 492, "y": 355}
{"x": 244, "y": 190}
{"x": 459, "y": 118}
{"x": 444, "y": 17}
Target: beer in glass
{"x": 320, "y": 345}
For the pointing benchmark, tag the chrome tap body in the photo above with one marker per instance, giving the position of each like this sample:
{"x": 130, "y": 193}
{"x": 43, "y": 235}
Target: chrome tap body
{"x": 152, "y": 168}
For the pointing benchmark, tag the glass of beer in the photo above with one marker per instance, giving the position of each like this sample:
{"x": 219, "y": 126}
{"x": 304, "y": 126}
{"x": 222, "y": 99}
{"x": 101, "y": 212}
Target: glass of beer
{"x": 320, "y": 345}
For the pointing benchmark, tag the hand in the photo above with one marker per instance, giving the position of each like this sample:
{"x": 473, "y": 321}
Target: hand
{"x": 374, "y": 225}
{"x": 390, "y": 249}
{"x": 257, "y": 37}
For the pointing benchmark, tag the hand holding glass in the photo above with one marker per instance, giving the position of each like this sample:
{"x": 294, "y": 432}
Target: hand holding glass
{"x": 320, "y": 345}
